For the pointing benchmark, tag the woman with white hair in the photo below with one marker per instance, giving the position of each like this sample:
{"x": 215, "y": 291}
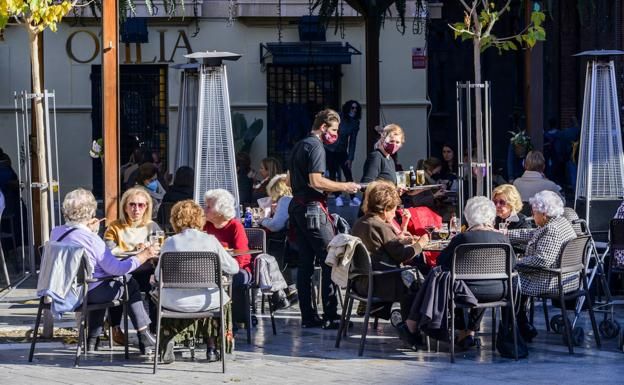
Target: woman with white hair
{"x": 480, "y": 214}
{"x": 543, "y": 247}
{"x": 221, "y": 222}
{"x": 81, "y": 229}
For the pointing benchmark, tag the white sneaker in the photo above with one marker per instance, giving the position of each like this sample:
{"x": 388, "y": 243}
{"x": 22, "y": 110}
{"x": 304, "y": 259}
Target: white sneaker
{"x": 355, "y": 202}
{"x": 339, "y": 202}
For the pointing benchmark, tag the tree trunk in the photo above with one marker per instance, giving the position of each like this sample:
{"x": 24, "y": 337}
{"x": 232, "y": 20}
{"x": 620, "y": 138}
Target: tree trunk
{"x": 40, "y": 154}
{"x": 479, "y": 137}
{"x": 372, "y": 24}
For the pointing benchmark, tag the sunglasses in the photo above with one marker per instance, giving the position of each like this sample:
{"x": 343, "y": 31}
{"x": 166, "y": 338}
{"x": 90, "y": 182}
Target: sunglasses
{"x": 139, "y": 205}
{"x": 499, "y": 202}
{"x": 354, "y": 107}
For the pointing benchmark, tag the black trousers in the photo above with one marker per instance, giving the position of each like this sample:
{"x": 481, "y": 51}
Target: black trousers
{"x": 335, "y": 162}
{"x": 239, "y": 281}
{"x": 484, "y": 292}
{"x": 312, "y": 246}
{"x": 109, "y": 291}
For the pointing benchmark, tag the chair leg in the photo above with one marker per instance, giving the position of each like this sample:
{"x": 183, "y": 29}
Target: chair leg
{"x": 452, "y": 315}
{"x": 592, "y": 317}
{"x": 36, "y": 330}
{"x": 4, "y": 267}
{"x": 566, "y": 323}
{"x": 494, "y": 328}
{"x": 125, "y": 318}
{"x": 375, "y": 323}
{"x": 342, "y": 324}
{"x": 545, "y": 307}
{"x": 223, "y": 339}
{"x": 157, "y": 351}
{"x": 248, "y": 310}
{"x": 514, "y": 329}
{"x": 364, "y": 328}
{"x": 272, "y": 314}
{"x": 81, "y": 336}
{"x": 348, "y": 319}
{"x": 110, "y": 330}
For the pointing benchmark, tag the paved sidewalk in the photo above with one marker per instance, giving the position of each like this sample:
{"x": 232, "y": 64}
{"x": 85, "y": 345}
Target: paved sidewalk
{"x": 308, "y": 356}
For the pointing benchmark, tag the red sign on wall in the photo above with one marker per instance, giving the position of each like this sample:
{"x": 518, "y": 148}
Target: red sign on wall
{"x": 419, "y": 58}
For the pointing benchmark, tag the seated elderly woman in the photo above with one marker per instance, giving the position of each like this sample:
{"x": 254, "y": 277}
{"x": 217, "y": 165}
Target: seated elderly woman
{"x": 130, "y": 233}
{"x": 221, "y": 222}
{"x": 543, "y": 247}
{"x": 508, "y": 204}
{"x": 386, "y": 248}
{"x": 187, "y": 219}
{"x": 81, "y": 229}
{"x": 479, "y": 213}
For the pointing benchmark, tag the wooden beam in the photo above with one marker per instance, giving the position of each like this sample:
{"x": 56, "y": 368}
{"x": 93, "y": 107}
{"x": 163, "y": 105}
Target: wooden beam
{"x": 372, "y": 25}
{"x": 110, "y": 106}
{"x": 534, "y": 88}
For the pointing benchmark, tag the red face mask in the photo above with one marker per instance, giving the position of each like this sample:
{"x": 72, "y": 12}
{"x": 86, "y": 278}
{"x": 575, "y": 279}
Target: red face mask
{"x": 391, "y": 148}
{"x": 329, "y": 138}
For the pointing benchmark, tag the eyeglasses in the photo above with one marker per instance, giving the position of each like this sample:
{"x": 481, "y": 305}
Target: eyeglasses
{"x": 354, "y": 107}
{"x": 499, "y": 202}
{"x": 139, "y": 205}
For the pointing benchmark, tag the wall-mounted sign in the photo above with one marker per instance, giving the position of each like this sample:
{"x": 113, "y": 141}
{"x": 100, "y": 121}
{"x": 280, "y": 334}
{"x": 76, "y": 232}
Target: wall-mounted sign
{"x": 419, "y": 58}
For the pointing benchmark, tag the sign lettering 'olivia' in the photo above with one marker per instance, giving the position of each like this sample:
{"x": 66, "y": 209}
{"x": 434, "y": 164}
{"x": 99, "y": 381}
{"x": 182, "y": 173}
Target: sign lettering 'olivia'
{"x": 182, "y": 42}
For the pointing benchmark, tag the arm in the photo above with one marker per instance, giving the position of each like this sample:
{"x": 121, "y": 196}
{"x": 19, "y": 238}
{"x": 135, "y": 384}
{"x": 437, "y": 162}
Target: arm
{"x": 521, "y": 235}
{"x": 278, "y": 221}
{"x": 228, "y": 264}
{"x": 111, "y": 239}
{"x": 319, "y": 182}
{"x": 545, "y": 255}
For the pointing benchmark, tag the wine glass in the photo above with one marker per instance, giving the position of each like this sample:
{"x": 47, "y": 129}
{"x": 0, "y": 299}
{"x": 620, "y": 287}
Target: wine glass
{"x": 429, "y": 229}
{"x": 503, "y": 227}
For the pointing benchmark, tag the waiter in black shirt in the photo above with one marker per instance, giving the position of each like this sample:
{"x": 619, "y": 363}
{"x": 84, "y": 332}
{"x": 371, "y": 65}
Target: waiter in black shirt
{"x": 308, "y": 213}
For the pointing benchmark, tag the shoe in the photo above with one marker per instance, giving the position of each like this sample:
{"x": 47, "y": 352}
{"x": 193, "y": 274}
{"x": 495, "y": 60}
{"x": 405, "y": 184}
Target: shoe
{"x": 339, "y": 202}
{"x": 146, "y": 342}
{"x": 334, "y": 324}
{"x": 213, "y": 355}
{"x": 409, "y": 338}
{"x": 355, "y": 202}
{"x": 527, "y": 331}
{"x": 168, "y": 356}
{"x": 292, "y": 297}
{"x": 361, "y": 309}
{"x": 467, "y": 342}
{"x": 118, "y": 336}
{"x": 93, "y": 344}
{"x": 312, "y": 323}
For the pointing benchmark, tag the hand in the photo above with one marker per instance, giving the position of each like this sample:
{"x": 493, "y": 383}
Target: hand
{"x": 94, "y": 224}
{"x": 351, "y": 187}
{"x": 440, "y": 193}
{"x": 348, "y": 164}
{"x": 422, "y": 241}
{"x": 406, "y": 239}
{"x": 141, "y": 246}
{"x": 401, "y": 190}
{"x": 405, "y": 215}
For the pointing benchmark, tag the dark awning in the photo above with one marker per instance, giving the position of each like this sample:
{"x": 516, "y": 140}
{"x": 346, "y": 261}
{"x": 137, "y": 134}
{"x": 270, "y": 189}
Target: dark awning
{"x": 312, "y": 52}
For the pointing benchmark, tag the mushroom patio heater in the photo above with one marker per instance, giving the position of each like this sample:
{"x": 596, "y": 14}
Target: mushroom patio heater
{"x": 600, "y": 175}
{"x": 205, "y": 138}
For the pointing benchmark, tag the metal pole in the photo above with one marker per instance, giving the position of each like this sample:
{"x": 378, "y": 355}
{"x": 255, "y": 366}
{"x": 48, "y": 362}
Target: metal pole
{"x": 460, "y": 152}
{"x": 469, "y": 136}
{"x": 58, "y": 174}
{"x": 591, "y": 131}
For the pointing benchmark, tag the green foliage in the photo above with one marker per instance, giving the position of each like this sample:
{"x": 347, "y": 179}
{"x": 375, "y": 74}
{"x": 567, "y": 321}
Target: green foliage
{"x": 521, "y": 138}
{"x": 39, "y": 14}
{"x": 244, "y": 135}
{"x": 479, "y": 21}
{"x": 333, "y": 8}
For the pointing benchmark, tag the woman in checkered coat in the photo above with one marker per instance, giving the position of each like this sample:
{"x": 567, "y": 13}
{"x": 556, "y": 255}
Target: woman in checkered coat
{"x": 543, "y": 247}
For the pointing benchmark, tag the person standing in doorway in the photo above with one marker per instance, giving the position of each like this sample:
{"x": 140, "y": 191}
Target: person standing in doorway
{"x": 308, "y": 213}
{"x": 340, "y": 155}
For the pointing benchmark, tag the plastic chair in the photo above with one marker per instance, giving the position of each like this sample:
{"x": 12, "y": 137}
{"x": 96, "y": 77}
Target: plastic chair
{"x": 83, "y": 280}
{"x": 573, "y": 259}
{"x": 361, "y": 266}
{"x": 189, "y": 270}
{"x": 483, "y": 261}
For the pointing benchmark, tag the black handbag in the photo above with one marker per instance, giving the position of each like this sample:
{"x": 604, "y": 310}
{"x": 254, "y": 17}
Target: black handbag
{"x": 505, "y": 343}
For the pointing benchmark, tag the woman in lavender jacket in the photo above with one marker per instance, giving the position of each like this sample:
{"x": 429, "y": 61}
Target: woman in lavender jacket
{"x": 81, "y": 228}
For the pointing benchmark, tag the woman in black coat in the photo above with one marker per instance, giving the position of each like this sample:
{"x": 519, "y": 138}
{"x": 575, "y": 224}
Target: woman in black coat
{"x": 508, "y": 204}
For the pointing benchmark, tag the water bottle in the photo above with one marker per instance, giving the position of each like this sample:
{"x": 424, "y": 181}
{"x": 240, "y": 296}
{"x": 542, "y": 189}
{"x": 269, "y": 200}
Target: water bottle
{"x": 454, "y": 224}
{"x": 248, "y": 217}
{"x": 412, "y": 175}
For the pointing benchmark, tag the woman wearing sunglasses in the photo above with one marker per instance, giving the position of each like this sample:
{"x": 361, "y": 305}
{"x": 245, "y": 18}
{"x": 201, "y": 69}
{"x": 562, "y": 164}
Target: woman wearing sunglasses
{"x": 508, "y": 204}
{"x": 130, "y": 233}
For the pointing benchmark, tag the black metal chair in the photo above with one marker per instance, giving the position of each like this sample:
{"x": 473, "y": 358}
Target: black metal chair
{"x": 83, "y": 280}
{"x": 616, "y": 243}
{"x": 189, "y": 270}
{"x": 573, "y": 260}
{"x": 478, "y": 262}
{"x": 361, "y": 266}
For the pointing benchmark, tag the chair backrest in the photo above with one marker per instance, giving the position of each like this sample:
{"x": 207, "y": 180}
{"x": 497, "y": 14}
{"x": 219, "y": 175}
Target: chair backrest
{"x": 578, "y": 224}
{"x": 360, "y": 262}
{"x": 616, "y": 234}
{"x": 482, "y": 261}
{"x": 190, "y": 269}
{"x": 257, "y": 238}
{"x": 573, "y": 256}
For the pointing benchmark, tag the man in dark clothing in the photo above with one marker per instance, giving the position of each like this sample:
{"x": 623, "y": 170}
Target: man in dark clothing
{"x": 308, "y": 213}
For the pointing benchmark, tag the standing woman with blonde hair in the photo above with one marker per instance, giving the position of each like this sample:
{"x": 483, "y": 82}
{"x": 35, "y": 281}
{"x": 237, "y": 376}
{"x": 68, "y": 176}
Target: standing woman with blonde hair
{"x": 379, "y": 163}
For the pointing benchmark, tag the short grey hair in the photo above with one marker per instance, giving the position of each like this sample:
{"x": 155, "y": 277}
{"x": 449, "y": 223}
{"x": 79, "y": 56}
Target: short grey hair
{"x": 480, "y": 211}
{"x": 224, "y": 202}
{"x": 548, "y": 203}
{"x": 79, "y": 205}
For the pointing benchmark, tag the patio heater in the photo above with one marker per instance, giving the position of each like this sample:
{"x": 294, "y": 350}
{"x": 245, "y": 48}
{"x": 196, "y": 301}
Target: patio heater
{"x": 474, "y": 144}
{"x": 600, "y": 175}
{"x": 205, "y": 138}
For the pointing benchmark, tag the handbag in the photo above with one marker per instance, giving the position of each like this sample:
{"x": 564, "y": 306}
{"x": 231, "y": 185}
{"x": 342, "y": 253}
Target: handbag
{"x": 505, "y": 343}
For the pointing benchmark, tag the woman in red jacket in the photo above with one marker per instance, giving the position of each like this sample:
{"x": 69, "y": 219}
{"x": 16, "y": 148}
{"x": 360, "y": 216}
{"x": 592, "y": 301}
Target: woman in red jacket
{"x": 222, "y": 223}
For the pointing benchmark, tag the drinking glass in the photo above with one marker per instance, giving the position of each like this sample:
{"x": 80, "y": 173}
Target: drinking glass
{"x": 153, "y": 239}
{"x": 443, "y": 231}
{"x": 161, "y": 237}
{"x": 401, "y": 183}
{"x": 429, "y": 229}
{"x": 503, "y": 226}
{"x": 420, "y": 177}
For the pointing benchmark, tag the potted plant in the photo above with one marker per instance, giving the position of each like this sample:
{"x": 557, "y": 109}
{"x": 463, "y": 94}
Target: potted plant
{"x": 521, "y": 142}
